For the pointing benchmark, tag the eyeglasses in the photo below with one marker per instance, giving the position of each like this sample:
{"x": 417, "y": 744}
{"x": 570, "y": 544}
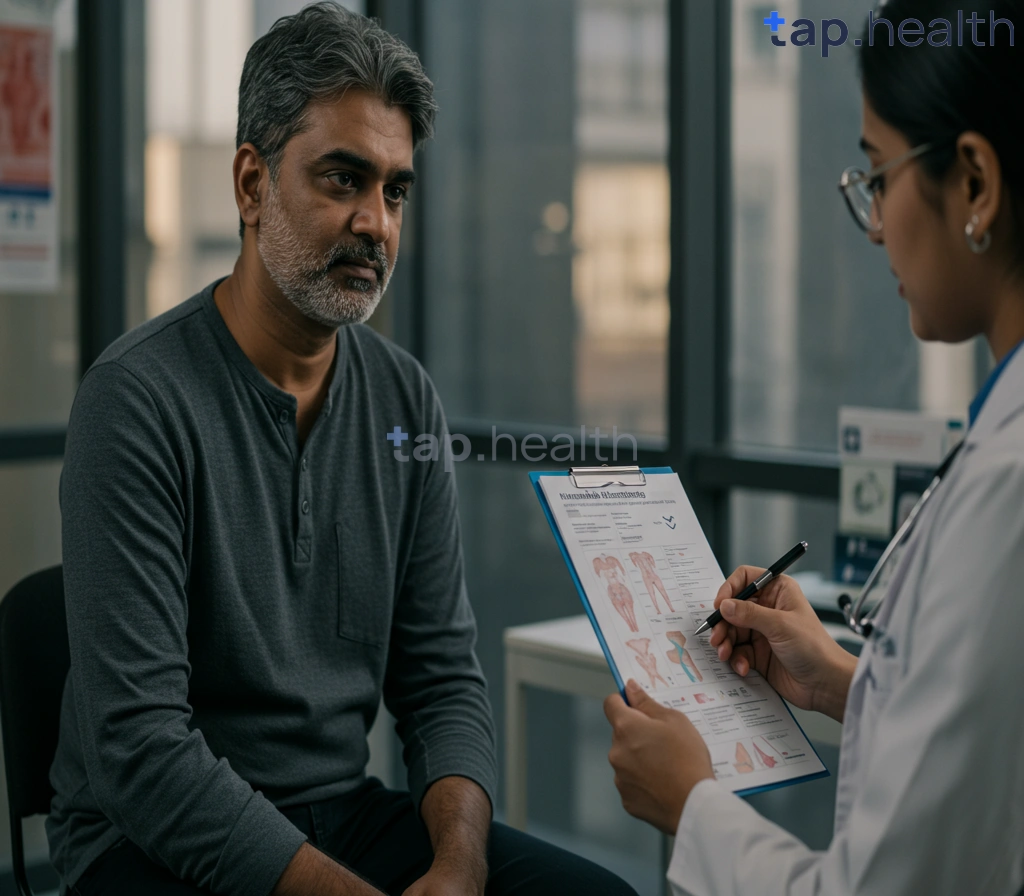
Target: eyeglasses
{"x": 860, "y": 189}
{"x": 859, "y": 620}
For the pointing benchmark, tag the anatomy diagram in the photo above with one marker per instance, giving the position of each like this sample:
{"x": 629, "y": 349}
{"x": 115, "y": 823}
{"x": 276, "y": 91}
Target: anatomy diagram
{"x": 682, "y": 657}
{"x": 649, "y": 662}
{"x": 766, "y": 758}
{"x": 743, "y": 764}
{"x": 613, "y": 574}
{"x": 652, "y": 581}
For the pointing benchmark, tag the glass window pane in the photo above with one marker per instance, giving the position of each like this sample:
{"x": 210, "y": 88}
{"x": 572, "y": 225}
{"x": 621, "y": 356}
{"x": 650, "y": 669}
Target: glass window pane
{"x": 764, "y": 525}
{"x": 546, "y": 204}
{"x": 38, "y": 265}
{"x": 816, "y": 318}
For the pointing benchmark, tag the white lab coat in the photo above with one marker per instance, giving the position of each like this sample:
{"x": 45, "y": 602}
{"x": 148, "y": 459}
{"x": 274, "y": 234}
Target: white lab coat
{"x": 930, "y": 797}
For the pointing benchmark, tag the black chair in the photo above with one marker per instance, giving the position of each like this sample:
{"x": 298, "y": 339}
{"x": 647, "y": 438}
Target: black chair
{"x": 34, "y": 662}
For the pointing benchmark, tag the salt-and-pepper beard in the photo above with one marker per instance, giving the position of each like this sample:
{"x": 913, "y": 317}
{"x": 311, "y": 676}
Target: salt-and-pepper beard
{"x": 304, "y": 275}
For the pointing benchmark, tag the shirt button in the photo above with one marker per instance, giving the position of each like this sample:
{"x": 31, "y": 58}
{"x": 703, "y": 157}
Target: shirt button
{"x": 305, "y": 506}
{"x": 304, "y": 464}
{"x": 283, "y": 416}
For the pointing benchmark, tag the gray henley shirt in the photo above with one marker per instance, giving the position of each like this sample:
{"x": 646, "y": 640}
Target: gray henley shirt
{"x": 237, "y": 604}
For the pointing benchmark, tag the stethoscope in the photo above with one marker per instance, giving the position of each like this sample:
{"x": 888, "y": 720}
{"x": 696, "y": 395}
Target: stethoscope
{"x": 861, "y": 622}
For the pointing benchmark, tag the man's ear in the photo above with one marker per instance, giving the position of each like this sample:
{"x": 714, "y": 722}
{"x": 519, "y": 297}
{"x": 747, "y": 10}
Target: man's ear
{"x": 981, "y": 180}
{"x": 250, "y": 178}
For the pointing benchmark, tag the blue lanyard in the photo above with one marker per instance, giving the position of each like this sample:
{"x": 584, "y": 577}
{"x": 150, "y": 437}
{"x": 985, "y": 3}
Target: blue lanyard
{"x": 983, "y": 393}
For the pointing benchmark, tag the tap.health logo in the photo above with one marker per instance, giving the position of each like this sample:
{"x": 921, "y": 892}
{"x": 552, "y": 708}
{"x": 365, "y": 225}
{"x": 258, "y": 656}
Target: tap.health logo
{"x": 981, "y": 31}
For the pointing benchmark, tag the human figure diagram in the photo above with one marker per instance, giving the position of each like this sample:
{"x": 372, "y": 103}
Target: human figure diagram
{"x": 744, "y": 763}
{"x": 649, "y": 662}
{"x": 610, "y": 571}
{"x": 652, "y": 581}
{"x": 681, "y": 657}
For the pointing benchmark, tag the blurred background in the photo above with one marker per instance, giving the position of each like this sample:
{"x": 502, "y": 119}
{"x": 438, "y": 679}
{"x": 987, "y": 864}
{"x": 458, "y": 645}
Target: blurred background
{"x": 628, "y": 218}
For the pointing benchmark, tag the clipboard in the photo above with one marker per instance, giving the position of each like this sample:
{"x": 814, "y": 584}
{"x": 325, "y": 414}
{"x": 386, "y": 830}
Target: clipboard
{"x": 625, "y": 476}
{"x": 592, "y": 477}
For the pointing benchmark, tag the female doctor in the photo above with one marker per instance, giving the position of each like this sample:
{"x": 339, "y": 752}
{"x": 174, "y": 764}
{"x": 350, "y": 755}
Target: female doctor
{"x": 930, "y": 796}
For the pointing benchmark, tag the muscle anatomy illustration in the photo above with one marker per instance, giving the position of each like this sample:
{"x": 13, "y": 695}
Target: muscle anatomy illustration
{"x": 652, "y": 581}
{"x": 743, "y": 764}
{"x": 613, "y": 574}
{"x": 682, "y": 657}
{"x": 766, "y": 758}
{"x": 642, "y": 648}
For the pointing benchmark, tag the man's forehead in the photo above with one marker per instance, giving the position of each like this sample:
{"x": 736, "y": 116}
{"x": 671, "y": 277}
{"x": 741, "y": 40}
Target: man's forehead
{"x": 360, "y": 124}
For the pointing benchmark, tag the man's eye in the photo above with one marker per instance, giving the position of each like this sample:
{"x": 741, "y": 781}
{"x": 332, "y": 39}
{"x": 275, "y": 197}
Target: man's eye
{"x": 877, "y": 184}
{"x": 395, "y": 194}
{"x": 342, "y": 179}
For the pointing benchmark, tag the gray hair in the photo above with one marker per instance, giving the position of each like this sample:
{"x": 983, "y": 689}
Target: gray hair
{"x": 318, "y": 54}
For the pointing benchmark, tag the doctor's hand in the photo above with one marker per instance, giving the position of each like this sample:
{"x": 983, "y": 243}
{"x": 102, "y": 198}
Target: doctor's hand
{"x": 658, "y": 757}
{"x": 779, "y": 634}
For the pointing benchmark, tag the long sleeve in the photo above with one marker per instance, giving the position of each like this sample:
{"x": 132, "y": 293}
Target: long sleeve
{"x": 124, "y": 504}
{"x": 939, "y": 807}
{"x": 434, "y": 685}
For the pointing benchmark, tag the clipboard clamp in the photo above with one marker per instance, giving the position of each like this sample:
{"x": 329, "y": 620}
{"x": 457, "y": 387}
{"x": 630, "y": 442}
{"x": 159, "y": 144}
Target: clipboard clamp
{"x": 597, "y": 477}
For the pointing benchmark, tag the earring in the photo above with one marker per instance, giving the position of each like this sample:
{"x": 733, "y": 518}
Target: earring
{"x": 978, "y": 247}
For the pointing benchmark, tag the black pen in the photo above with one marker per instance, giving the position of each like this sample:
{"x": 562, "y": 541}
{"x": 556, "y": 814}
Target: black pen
{"x": 773, "y": 571}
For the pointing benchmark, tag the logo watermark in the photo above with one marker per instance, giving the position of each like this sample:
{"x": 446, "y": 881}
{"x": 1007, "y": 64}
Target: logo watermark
{"x": 454, "y": 448}
{"x": 909, "y": 32}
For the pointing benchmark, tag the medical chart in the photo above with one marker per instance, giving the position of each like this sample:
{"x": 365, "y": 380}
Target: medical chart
{"x": 649, "y": 579}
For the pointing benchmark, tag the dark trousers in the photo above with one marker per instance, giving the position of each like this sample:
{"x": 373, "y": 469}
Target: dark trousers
{"x": 377, "y": 833}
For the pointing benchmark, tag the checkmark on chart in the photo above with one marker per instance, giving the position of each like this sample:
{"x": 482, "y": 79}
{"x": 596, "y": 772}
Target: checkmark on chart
{"x": 669, "y": 521}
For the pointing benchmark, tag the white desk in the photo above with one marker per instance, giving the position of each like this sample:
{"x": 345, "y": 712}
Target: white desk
{"x": 563, "y": 656}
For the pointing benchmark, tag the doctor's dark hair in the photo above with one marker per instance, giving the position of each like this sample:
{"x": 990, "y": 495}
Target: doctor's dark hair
{"x": 933, "y": 94}
{"x": 318, "y": 54}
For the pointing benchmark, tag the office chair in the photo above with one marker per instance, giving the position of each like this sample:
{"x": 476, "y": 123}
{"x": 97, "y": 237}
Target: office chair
{"x": 34, "y": 662}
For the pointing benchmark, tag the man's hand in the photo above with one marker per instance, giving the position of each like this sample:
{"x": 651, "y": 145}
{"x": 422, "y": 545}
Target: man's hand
{"x": 457, "y": 814}
{"x": 658, "y": 757}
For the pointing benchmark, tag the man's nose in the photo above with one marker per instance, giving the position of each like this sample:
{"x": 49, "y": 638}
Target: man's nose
{"x": 371, "y": 219}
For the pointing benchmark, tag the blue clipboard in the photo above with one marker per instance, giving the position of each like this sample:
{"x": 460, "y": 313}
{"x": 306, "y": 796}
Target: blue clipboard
{"x": 619, "y": 683}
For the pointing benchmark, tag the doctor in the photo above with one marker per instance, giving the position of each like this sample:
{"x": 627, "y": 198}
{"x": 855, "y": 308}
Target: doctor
{"x": 930, "y": 795}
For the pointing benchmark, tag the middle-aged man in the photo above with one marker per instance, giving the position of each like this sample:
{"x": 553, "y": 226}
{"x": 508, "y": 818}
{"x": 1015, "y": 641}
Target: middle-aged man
{"x": 248, "y": 568}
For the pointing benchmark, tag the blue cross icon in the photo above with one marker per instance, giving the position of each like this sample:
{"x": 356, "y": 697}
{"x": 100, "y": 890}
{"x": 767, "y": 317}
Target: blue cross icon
{"x": 397, "y": 436}
{"x": 774, "y": 20}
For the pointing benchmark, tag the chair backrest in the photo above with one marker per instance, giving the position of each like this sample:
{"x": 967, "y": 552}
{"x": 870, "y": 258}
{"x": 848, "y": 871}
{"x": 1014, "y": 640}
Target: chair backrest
{"x": 34, "y": 662}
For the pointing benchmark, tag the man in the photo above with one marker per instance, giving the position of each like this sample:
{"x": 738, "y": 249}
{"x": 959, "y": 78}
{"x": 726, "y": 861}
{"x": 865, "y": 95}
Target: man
{"x": 248, "y": 569}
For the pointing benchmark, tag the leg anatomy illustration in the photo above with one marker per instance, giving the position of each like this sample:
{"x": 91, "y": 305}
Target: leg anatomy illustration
{"x": 743, "y": 764}
{"x": 649, "y": 662}
{"x": 622, "y": 600}
{"x": 682, "y": 657}
{"x": 766, "y": 758}
{"x": 612, "y": 574}
{"x": 652, "y": 581}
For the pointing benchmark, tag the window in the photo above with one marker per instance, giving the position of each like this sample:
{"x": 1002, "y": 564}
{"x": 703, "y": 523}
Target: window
{"x": 546, "y": 203}
{"x": 816, "y": 321}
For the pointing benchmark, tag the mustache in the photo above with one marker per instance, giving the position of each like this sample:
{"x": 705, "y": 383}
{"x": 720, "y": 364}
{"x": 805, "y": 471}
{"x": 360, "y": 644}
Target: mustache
{"x": 358, "y": 253}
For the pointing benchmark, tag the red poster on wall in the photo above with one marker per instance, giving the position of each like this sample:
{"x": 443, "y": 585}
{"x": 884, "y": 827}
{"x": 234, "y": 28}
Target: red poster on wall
{"x": 28, "y": 243}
